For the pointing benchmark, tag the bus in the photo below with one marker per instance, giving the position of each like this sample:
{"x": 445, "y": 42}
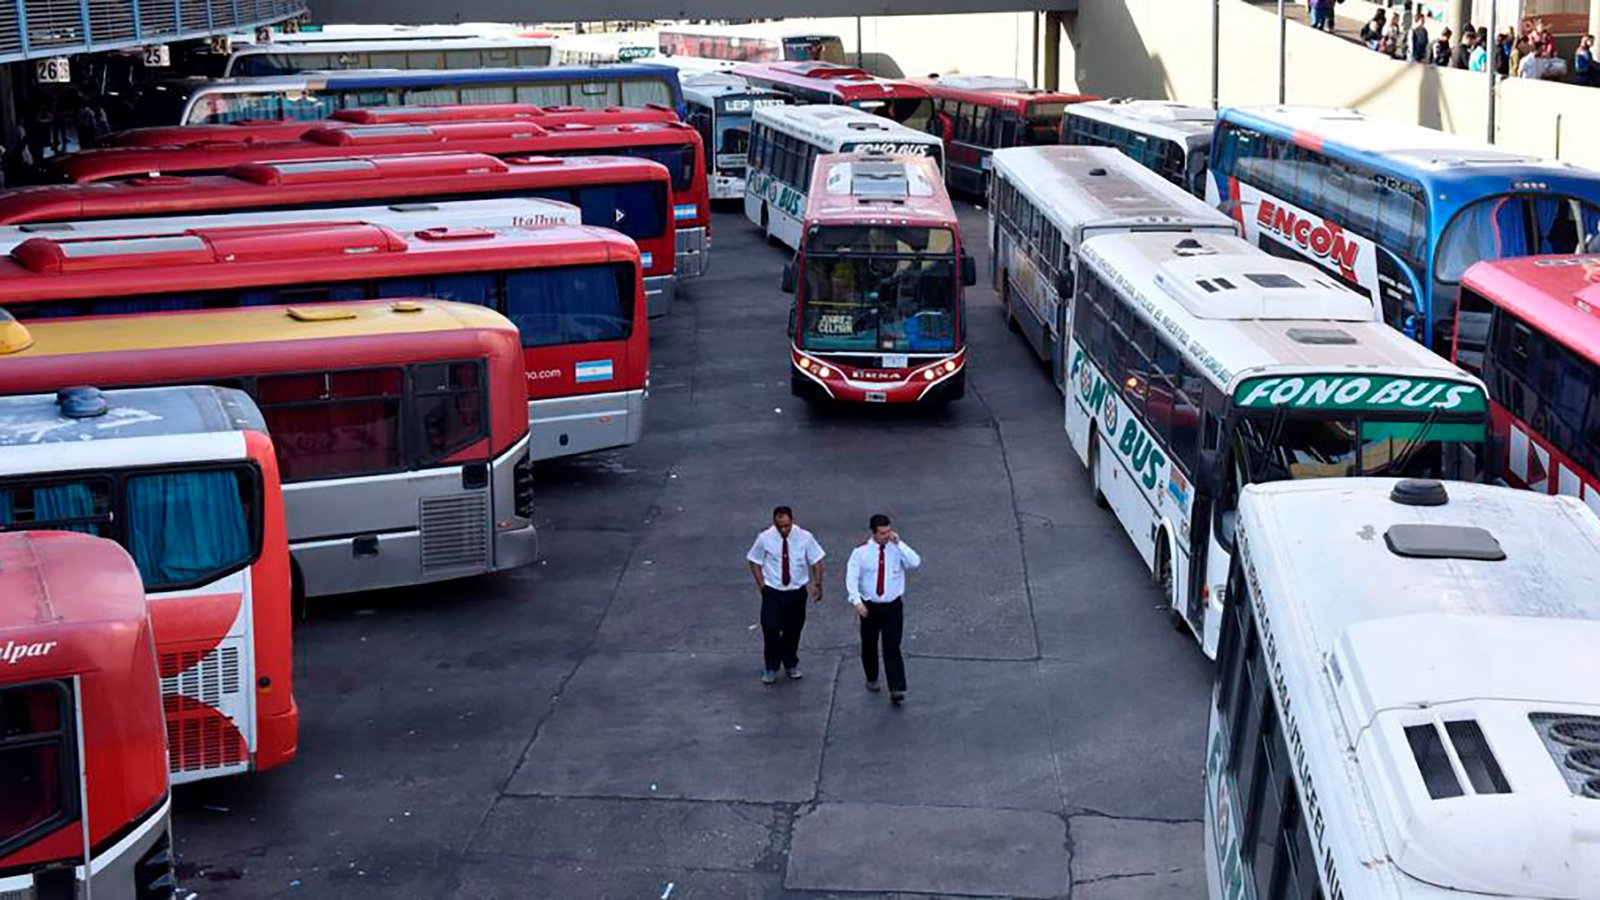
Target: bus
{"x": 976, "y": 115}
{"x": 1528, "y": 329}
{"x": 760, "y": 42}
{"x": 210, "y": 101}
{"x": 459, "y": 53}
{"x": 84, "y": 741}
{"x": 829, "y": 83}
{"x": 721, "y": 108}
{"x": 574, "y": 293}
{"x": 1400, "y": 707}
{"x": 632, "y": 196}
{"x": 1043, "y": 203}
{"x": 1397, "y": 212}
{"x": 607, "y": 47}
{"x": 1170, "y": 139}
{"x": 401, "y": 426}
{"x": 672, "y": 144}
{"x": 185, "y": 479}
{"x": 1199, "y": 365}
{"x": 785, "y": 142}
{"x": 878, "y": 315}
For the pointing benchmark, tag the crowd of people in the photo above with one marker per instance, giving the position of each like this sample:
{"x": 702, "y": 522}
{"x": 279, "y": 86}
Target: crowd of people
{"x": 1525, "y": 52}
{"x": 69, "y": 120}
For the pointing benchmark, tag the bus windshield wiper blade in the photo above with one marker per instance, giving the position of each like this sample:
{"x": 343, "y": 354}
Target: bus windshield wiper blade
{"x": 1422, "y": 433}
{"x": 1279, "y": 417}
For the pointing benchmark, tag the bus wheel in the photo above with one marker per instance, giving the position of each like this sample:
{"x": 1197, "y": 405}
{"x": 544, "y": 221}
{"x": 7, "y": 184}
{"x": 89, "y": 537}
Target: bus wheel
{"x": 1094, "y": 470}
{"x": 766, "y": 226}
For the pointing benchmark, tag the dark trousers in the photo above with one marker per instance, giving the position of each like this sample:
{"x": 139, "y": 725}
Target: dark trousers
{"x": 888, "y": 621}
{"x": 783, "y": 617}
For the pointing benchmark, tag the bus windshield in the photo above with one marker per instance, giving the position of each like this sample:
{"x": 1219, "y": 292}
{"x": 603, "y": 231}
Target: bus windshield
{"x": 814, "y": 47}
{"x": 875, "y": 289}
{"x": 912, "y": 112}
{"x": 1043, "y": 123}
{"x": 1514, "y": 225}
{"x": 1282, "y": 447}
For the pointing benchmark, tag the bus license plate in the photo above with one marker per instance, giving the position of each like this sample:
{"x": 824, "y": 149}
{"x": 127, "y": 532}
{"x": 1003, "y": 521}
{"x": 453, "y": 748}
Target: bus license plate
{"x": 895, "y": 361}
{"x": 877, "y": 397}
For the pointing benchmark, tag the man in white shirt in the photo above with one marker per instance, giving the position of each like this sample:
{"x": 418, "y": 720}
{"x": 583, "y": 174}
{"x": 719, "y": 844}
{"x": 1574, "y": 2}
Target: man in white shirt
{"x": 784, "y": 561}
{"x": 876, "y": 582}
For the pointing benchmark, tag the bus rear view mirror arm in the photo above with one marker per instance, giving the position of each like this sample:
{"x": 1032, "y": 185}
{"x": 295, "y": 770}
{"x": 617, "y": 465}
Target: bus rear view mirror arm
{"x": 788, "y": 278}
{"x": 969, "y": 271}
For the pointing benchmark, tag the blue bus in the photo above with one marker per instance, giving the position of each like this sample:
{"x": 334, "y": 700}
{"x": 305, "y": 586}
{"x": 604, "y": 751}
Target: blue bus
{"x": 314, "y": 95}
{"x": 1397, "y": 212}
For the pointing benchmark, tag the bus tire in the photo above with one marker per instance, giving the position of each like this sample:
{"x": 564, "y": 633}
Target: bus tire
{"x": 298, "y": 609}
{"x": 1163, "y": 576}
{"x": 766, "y": 226}
{"x": 1094, "y": 470}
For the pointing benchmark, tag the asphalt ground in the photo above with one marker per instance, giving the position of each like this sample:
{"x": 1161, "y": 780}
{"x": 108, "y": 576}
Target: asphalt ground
{"x": 594, "y": 725}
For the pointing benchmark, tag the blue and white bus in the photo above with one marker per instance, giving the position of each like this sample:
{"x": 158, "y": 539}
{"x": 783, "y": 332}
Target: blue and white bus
{"x": 1395, "y": 211}
{"x": 210, "y": 101}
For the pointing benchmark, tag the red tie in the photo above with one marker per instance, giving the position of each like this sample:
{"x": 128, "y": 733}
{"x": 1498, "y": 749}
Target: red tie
{"x": 881, "y": 568}
{"x": 785, "y": 560}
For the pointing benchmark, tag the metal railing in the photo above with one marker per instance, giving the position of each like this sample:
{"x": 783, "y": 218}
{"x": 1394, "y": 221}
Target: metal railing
{"x": 31, "y": 29}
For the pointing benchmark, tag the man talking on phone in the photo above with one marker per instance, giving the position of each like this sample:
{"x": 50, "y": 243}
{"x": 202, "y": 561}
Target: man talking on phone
{"x": 875, "y": 581}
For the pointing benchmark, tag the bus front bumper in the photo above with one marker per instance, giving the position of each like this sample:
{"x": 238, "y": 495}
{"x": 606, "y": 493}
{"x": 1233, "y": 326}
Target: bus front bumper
{"x": 727, "y": 187}
{"x": 659, "y": 291}
{"x": 694, "y": 252}
{"x": 568, "y": 426}
{"x": 933, "y": 381}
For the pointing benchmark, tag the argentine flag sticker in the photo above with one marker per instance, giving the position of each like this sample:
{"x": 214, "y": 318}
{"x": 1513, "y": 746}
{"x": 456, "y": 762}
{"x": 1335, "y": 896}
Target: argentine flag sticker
{"x": 646, "y": 259}
{"x": 683, "y": 211}
{"x": 599, "y": 370}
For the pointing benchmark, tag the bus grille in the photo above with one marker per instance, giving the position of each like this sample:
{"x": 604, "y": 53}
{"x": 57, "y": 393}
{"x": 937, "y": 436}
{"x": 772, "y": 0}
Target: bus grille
{"x": 196, "y": 690}
{"x": 455, "y": 532}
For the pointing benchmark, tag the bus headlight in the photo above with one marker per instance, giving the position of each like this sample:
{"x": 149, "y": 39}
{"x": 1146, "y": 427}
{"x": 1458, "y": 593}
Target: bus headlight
{"x": 805, "y": 363}
{"x": 949, "y": 365}
{"x": 930, "y": 374}
{"x": 824, "y": 372}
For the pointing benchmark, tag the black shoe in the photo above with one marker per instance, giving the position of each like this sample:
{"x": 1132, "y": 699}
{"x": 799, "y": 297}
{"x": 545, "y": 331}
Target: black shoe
{"x": 873, "y": 687}
{"x": 897, "y": 697}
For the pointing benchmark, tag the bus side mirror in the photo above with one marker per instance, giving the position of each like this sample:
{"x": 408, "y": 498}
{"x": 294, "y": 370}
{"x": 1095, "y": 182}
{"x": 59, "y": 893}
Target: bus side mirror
{"x": 969, "y": 271}
{"x": 788, "y": 278}
{"x": 794, "y": 314}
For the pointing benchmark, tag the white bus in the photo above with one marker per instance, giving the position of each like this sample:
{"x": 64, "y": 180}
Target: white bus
{"x": 1043, "y": 203}
{"x": 1168, "y": 138}
{"x": 1199, "y": 364}
{"x": 753, "y": 42}
{"x": 1407, "y": 699}
{"x": 785, "y": 142}
{"x": 722, "y": 108}
{"x": 407, "y": 218}
{"x": 290, "y": 58}
{"x": 607, "y": 47}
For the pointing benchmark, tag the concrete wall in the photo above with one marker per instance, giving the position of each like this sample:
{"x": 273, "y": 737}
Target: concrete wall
{"x": 1162, "y": 49}
{"x": 973, "y": 44}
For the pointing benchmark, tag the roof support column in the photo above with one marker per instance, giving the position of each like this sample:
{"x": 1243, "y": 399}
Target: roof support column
{"x": 1052, "y": 51}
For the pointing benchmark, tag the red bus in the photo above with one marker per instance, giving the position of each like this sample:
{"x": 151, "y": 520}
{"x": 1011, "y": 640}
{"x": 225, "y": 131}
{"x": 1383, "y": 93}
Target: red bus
{"x": 185, "y": 479}
{"x": 822, "y": 82}
{"x": 633, "y": 196}
{"x": 672, "y": 144}
{"x": 287, "y": 130}
{"x": 84, "y": 746}
{"x": 877, "y": 284}
{"x": 1529, "y": 328}
{"x": 401, "y": 426}
{"x": 574, "y": 293}
{"x": 977, "y": 115}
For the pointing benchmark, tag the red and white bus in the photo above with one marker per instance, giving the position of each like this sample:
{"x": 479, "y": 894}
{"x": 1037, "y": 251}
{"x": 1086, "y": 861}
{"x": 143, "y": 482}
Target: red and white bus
{"x": 829, "y": 83}
{"x": 877, "y": 284}
{"x": 84, "y": 744}
{"x": 401, "y": 426}
{"x": 626, "y": 194}
{"x": 752, "y": 42}
{"x": 574, "y": 293}
{"x": 1529, "y": 328}
{"x": 977, "y": 115}
{"x": 672, "y": 144}
{"x": 290, "y": 129}
{"x": 186, "y": 480}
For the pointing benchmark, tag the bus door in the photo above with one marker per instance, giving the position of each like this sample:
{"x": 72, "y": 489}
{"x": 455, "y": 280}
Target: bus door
{"x": 1222, "y": 472}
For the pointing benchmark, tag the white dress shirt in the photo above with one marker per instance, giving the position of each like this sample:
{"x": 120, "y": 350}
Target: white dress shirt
{"x": 767, "y": 552}
{"x": 861, "y": 575}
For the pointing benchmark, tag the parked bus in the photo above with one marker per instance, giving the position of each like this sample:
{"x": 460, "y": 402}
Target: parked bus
{"x": 1402, "y": 707}
{"x": 785, "y": 142}
{"x": 606, "y": 48}
{"x": 84, "y": 740}
{"x": 1528, "y": 329}
{"x": 829, "y": 83}
{"x": 1170, "y": 139}
{"x": 673, "y": 144}
{"x": 411, "y": 191}
{"x": 721, "y": 108}
{"x": 209, "y": 101}
{"x": 401, "y": 426}
{"x": 1043, "y": 203}
{"x": 760, "y": 42}
{"x": 877, "y": 281}
{"x": 1395, "y": 211}
{"x": 574, "y": 293}
{"x": 459, "y": 53}
{"x": 976, "y": 115}
{"x": 185, "y": 479}
{"x": 1199, "y": 364}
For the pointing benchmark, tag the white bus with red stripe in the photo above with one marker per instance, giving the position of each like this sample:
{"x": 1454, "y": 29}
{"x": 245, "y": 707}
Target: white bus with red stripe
{"x": 1531, "y": 328}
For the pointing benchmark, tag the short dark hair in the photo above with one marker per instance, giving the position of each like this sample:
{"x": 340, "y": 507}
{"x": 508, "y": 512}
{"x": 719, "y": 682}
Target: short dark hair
{"x": 782, "y": 511}
{"x": 878, "y": 520}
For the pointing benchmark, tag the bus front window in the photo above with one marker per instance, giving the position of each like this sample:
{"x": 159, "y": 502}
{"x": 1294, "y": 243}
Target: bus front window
{"x": 880, "y": 290}
{"x": 1283, "y": 448}
{"x": 733, "y": 143}
{"x": 1043, "y": 123}
{"x": 1514, "y": 225}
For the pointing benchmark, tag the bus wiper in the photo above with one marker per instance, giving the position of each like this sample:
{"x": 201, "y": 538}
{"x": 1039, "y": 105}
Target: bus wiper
{"x": 1400, "y": 464}
{"x": 1279, "y": 417}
